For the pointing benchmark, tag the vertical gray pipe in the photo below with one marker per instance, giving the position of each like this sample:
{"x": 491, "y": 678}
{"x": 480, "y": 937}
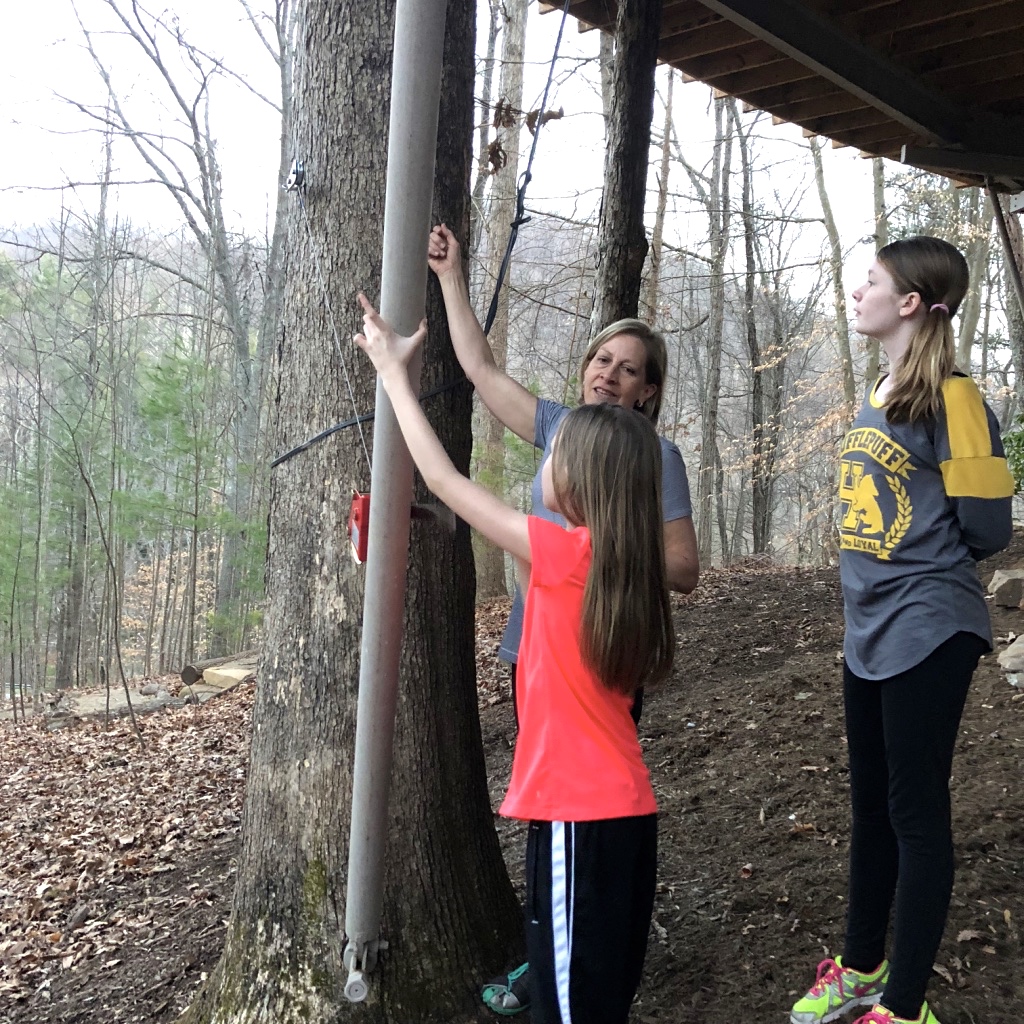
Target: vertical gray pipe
{"x": 412, "y": 142}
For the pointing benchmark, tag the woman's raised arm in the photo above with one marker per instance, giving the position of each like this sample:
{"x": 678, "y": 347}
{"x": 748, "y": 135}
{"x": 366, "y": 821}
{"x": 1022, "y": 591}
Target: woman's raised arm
{"x": 506, "y": 398}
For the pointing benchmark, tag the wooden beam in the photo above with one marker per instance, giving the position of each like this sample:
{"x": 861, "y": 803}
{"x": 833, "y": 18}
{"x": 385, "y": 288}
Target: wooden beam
{"x": 837, "y": 102}
{"x": 686, "y": 16}
{"x": 792, "y": 92}
{"x": 866, "y": 117}
{"x": 997, "y": 92}
{"x": 985, "y": 73}
{"x": 907, "y": 37}
{"x": 910, "y": 16}
{"x": 949, "y": 160}
{"x": 891, "y": 135}
{"x": 824, "y": 48}
{"x": 751, "y": 53}
{"x": 741, "y": 83}
{"x": 700, "y": 42}
{"x": 595, "y": 13}
{"x": 963, "y": 53}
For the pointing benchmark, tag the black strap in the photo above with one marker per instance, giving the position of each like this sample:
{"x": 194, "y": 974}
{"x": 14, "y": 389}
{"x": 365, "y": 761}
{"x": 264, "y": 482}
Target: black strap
{"x": 524, "y": 180}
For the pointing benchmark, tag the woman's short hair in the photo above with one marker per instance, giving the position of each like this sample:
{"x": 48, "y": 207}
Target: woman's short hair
{"x": 656, "y": 367}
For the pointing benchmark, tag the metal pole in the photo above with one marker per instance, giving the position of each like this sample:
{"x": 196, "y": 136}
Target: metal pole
{"x": 1004, "y": 236}
{"x": 412, "y": 142}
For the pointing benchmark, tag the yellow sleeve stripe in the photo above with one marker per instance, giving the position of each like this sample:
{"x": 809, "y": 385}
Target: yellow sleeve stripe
{"x": 972, "y": 470}
{"x": 966, "y": 420}
{"x": 986, "y": 476}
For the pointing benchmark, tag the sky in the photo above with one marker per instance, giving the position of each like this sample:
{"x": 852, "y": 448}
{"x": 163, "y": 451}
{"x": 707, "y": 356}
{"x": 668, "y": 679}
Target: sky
{"x": 48, "y": 144}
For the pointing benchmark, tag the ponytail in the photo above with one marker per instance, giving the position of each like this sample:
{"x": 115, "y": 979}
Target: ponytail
{"x": 927, "y": 364}
{"x": 937, "y": 272}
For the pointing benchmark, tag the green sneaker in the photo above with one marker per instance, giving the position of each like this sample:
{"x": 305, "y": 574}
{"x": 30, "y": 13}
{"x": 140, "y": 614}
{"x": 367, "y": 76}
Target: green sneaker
{"x": 838, "y": 989}
{"x": 880, "y": 1015}
{"x": 509, "y": 994}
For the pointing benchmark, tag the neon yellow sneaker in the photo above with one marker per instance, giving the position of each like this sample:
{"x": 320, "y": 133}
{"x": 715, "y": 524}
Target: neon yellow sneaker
{"x": 838, "y": 989}
{"x": 880, "y": 1015}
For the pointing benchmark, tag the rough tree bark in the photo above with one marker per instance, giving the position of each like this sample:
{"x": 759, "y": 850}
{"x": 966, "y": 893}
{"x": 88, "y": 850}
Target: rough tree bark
{"x": 621, "y": 240}
{"x": 450, "y": 914}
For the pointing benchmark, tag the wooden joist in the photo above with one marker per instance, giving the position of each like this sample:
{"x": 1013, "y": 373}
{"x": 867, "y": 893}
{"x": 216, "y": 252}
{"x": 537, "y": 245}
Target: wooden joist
{"x": 945, "y": 76}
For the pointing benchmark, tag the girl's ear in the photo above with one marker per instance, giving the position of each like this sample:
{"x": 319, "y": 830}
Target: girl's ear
{"x": 910, "y": 304}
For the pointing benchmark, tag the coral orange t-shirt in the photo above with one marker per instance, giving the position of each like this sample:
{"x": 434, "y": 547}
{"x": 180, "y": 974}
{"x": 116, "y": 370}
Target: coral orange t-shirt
{"x": 577, "y": 756}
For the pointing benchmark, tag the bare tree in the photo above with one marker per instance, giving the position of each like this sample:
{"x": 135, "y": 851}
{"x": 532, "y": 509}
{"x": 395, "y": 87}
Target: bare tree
{"x": 501, "y": 211}
{"x": 622, "y": 243}
{"x": 283, "y": 956}
{"x": 189, "y": 170}
{"x": 835, "y": 249}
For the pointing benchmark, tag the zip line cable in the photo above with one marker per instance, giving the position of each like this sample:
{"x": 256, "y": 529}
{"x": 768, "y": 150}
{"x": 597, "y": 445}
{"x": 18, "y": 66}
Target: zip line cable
{"x": 295, "y": 183}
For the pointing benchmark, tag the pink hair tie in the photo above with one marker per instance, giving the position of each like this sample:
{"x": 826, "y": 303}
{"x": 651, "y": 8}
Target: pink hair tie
{"x": 940, "y": 305}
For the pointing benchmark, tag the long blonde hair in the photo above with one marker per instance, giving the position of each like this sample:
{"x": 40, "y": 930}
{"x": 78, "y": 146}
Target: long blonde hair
{"x": 655, "y": 368}
{"x": 607, "y": 477}
{"x": 938, "y": 272}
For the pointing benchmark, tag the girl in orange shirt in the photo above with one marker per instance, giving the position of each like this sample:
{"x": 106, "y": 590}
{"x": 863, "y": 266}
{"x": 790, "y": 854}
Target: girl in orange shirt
{"x": 597, "y": 626}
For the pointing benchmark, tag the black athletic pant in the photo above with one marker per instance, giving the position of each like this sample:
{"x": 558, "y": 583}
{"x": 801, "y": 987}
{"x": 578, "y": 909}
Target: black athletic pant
{"x": 635, "y": 710}
{"x": 589, "y": 898}
{"x": 901, "y": 733}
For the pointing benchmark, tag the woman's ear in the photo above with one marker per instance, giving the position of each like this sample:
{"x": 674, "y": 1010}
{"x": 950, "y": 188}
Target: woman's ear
{"x": 911, "y": 303}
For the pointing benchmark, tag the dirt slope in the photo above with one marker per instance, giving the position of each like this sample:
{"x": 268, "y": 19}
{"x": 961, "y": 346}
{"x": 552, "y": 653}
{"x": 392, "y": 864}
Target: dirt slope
{"x": 746, "y": 748}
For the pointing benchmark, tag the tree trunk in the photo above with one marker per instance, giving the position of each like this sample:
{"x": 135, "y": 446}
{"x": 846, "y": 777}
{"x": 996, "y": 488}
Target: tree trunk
{"x": 483, "y": 170}
{"x": 979, "y": 228}
{"x": 450, "y": 914}
{"x": 719, "y": 221}
{"x": 836, "y": 266}
{"x": 649, "y": 306}
{"x": 501, "y": 211}
{"x": 881, "y": 240}
{"x": 621, "y": 240}
{"x": 761, "y": 484}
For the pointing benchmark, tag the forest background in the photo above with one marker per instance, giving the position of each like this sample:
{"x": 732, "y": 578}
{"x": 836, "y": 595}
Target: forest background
{"x": 140, "y": 281}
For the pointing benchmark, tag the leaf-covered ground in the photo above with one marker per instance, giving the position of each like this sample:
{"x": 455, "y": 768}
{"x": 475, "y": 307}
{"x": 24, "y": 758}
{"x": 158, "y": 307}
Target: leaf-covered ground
{"x": 116, "y": 866}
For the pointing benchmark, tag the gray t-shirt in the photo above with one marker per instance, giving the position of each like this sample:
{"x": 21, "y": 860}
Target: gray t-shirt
{"x": 675, "y": 500}
{"x": 921, "y": 504}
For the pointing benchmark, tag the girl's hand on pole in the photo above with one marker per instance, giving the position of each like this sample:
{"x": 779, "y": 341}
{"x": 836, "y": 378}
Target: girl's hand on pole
{"x": 388, "y": 351}
{"x": 444, "y": 254}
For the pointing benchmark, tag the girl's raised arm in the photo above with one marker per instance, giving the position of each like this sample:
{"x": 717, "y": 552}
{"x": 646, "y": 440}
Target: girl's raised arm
{"x": 390, "y": 354}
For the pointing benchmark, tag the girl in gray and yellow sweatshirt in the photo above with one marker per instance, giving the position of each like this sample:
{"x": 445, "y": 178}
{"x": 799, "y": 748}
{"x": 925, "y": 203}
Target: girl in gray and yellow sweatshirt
{"x": 925, "y": 494}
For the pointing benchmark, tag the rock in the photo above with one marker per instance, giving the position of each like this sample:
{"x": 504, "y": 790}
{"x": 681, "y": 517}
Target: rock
{"x": 1007, "y": 587}
{"x": 1012, "y": 659}
{"x": 224, "y": 676}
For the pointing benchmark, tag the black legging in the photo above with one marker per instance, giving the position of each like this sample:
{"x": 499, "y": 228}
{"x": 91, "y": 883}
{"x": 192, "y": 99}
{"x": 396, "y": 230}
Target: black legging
{"x": 636, "y": 710}
{"x": 901, "y": 733}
